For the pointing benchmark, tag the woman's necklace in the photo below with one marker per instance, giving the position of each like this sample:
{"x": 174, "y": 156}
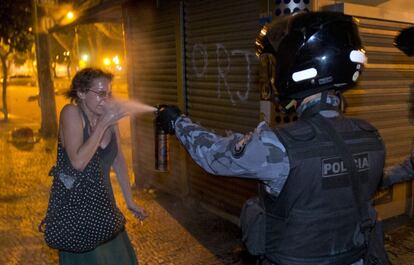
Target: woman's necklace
{"x": 91, "y": 121}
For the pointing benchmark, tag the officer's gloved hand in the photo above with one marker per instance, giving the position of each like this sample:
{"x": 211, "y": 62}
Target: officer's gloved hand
{"x": 166, "y": 116}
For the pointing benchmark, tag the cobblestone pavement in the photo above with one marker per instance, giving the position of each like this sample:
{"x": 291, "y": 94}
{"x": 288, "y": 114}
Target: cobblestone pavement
{"x": 173, "y": 234}
{"x": 400, "y": 244}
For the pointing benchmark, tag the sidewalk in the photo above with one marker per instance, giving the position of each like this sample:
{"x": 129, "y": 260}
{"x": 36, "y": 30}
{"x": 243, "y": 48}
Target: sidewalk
{"x": 173, "y": 233}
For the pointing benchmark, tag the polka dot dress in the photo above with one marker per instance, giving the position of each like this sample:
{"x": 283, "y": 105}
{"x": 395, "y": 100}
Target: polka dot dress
{"x": 81, "y": 214}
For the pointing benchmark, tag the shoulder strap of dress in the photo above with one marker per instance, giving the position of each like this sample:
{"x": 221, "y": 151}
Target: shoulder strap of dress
{"x": 86, "y": 129}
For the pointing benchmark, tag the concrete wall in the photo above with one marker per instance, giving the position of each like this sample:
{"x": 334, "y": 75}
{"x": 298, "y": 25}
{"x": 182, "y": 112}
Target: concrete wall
{"x": 387, "y": 10}
{"x": 403, "y": 5}
{"x": 395, "y": 5}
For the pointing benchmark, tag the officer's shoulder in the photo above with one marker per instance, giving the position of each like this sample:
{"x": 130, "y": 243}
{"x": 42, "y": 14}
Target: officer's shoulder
{"x": 298, "y": 130}
{"x": 363, "y": 124}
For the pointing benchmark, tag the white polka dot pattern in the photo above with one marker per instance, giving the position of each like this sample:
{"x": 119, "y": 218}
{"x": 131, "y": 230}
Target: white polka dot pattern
{"x": 82, "y": 215}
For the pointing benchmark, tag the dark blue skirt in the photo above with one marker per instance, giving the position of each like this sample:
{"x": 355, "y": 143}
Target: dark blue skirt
{"x": 115, "y": 252}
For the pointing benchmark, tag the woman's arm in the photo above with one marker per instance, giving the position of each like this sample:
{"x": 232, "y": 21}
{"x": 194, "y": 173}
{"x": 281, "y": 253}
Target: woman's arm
{"x": 121, "y": 171}
{"x": 71, "y": 123}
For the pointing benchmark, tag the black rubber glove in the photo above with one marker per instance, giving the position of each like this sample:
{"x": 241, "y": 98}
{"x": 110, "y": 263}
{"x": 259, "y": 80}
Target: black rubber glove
{"x": 166, "y": 116}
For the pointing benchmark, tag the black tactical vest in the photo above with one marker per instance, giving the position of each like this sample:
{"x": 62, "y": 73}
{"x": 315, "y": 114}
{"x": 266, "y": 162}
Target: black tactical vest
{"x": 314, "y": 220}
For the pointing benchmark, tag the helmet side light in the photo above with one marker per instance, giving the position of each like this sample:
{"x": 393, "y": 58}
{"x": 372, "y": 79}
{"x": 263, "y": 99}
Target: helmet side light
{"x": 358, "y": 56}
{"x": 304, "y": 74}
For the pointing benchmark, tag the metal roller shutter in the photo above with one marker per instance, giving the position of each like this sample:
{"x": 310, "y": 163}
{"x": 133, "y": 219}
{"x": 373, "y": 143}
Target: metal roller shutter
{"x": 222, "y": 85}
{"x": 384, "y": 97}
{"x": 152, "y": 63}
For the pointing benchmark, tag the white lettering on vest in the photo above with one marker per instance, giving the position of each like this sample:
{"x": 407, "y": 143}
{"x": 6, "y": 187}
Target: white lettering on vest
{"x": 335, "y": 166}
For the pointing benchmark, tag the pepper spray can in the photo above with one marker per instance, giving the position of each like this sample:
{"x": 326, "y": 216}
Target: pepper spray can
{"x": 161, "y": 146}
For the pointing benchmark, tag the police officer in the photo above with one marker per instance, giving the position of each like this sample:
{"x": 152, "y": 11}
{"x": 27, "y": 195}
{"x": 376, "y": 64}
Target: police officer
{"x": 312, "y": 211}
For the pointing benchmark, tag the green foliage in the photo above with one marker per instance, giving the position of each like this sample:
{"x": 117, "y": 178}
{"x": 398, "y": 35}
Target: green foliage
{"x": 16, "y": 26}
{"x": 16, "y": 36}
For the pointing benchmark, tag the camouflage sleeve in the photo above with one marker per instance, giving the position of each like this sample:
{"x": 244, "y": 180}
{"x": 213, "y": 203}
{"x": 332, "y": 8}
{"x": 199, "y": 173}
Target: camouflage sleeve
{"x": 257, "y": 155}
{"x": 398, "y": 173}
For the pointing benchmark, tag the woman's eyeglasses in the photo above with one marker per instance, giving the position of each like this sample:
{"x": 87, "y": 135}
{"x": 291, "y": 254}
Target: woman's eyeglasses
{"x": 101, "y": 94}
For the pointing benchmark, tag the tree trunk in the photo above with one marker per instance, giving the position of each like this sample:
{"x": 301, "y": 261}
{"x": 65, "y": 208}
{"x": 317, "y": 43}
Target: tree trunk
{"x": 46, "y": 88}
{"x": 4, "y": 94}
{"x": 47, "y": 102}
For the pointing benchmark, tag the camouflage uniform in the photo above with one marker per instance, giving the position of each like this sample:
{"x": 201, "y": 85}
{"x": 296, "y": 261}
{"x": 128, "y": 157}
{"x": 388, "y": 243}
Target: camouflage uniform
{"x": 399, "y": 173}
{"x": 256, "y": 155}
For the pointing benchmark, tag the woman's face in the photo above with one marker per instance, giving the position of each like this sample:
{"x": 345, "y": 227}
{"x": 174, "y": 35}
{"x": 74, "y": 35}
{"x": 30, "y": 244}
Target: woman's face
{"x": 97, "y": 95}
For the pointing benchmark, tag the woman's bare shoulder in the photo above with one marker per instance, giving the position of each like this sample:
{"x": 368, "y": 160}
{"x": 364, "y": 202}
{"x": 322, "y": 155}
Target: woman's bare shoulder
{"x": 70, "y": 115}
{"x": 69, "y": 111}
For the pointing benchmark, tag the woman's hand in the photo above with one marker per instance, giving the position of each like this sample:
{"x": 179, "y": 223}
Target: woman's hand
{"x": 113, "y": 113}
{"x": 137, "y": 211}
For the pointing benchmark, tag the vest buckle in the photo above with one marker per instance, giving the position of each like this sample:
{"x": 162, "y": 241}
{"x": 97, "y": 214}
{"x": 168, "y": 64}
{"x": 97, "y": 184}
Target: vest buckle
{"x": 367, "y": 224}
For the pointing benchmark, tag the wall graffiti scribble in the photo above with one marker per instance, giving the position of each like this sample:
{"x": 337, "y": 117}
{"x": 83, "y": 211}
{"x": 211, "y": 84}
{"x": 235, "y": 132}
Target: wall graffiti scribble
{"x": 200, "y": 62}
{"x": 201, "y": 49}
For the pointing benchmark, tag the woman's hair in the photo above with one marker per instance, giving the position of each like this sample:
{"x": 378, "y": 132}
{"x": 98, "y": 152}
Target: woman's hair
{"x": 82, "y": 81}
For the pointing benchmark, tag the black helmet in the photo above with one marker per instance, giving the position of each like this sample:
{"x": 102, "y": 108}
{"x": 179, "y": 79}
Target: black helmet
{"x": 314, "y": 52}
{"x": 405, "y": 41}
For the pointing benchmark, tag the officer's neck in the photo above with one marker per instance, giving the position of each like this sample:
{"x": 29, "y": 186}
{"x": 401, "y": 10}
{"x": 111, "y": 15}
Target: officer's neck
{"x": 329, "y": 109}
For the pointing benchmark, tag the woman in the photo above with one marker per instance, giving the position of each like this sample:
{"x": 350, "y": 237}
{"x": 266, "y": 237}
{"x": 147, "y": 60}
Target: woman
{"x": 94, "y": 115}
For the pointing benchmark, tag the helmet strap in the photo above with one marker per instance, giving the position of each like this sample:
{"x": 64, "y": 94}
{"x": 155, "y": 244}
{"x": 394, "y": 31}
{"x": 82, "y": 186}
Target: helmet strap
{"x": 324, "y": 97}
